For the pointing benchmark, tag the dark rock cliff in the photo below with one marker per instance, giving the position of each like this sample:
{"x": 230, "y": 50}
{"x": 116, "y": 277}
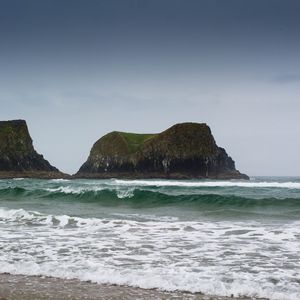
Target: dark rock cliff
{"x": 17, "y": 155}
{"x": 186, "y": 150}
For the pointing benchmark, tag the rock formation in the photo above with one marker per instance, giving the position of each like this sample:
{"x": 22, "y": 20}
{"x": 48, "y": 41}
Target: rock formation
{"x": 186, "y": 150}
{"x": 17, "y": 155}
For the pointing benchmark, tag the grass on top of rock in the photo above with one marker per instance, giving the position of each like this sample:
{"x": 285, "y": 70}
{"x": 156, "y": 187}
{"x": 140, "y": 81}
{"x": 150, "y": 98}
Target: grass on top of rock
{"x": 118, "y": 143}
{"x": 14, "y": 137}
{"x": 135, "y": 140}
{"x": 5, "y": 128}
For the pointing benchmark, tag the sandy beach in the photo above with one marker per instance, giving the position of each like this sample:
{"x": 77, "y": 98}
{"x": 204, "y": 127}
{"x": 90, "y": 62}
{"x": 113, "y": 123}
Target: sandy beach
{"x": 17, "y": 287}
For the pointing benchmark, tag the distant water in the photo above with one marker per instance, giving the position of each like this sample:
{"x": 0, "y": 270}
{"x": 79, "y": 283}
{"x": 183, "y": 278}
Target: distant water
{"x": 215, "y": 237}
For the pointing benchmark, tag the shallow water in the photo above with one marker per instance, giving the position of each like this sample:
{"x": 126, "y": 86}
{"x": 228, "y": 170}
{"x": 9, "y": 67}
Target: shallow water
{"x": 22, "y": 287}
{"x": 214, "y": 237}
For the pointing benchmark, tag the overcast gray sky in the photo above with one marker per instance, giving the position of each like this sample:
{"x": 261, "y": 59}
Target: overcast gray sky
{"x": 76, "y": 70}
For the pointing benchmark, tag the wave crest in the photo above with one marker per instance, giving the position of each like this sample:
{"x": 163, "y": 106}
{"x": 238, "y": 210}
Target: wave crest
{"x": 145, "y": 198}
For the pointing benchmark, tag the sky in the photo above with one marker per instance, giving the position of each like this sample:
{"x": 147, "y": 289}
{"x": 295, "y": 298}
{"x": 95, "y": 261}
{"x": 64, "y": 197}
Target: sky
{"x": 78, "y": 69}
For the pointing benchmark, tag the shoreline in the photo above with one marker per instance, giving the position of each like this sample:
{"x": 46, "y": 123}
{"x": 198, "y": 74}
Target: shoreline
{"x": 34, "y": 175}
{"x": 23, "y": 287}
{"x": 129, "y": 176}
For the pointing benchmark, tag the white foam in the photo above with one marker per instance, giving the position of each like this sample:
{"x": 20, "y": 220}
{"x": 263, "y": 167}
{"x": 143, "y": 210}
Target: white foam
{"x": 121, "y": 194}
{"x": 126, "y": 188}
{"x": 174, "y": 183}
{"x": 59, "y": 180}
{"x": 76, "y": 190}
{"x": 17, "y": 214}
{"x": 148, "y": 217}
{"x": 247, "y": 258}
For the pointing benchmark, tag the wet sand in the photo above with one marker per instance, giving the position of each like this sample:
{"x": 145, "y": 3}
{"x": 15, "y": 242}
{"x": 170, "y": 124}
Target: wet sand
{"x": 20, "y": 287}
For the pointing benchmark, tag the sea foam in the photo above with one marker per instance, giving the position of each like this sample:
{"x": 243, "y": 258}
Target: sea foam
{"x": 222, "y": 258}
{"x": 174, "y": 183}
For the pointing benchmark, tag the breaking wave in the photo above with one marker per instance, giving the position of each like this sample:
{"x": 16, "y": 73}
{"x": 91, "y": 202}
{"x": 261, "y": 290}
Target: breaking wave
{"x": 220, "y": 258}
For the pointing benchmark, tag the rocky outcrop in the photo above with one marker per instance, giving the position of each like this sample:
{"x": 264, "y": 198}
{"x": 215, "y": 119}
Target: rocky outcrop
{"x": 186, "y": 150}
{"x": 17, "y": 155}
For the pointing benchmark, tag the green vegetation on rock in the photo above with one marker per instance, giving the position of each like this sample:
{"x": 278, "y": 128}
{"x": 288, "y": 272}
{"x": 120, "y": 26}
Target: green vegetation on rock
{"x": 119, "y": 143}
{"x": 17, "y": 154}
{"x": 135, "y": 140}
{"x": 186, "y": 150}
{"x": 14, "y": 137}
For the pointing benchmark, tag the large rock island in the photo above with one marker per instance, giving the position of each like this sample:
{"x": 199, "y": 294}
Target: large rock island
{"x": 186, "y": 150}
{"x": 17, "y": 155}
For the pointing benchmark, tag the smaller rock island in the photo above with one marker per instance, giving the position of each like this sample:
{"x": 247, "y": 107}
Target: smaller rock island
{"x": 184, "y": 151}
{"x": 17, "y": 155}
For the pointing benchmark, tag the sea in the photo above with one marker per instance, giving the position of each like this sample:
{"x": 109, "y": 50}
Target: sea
{"x": 223, "y": 238}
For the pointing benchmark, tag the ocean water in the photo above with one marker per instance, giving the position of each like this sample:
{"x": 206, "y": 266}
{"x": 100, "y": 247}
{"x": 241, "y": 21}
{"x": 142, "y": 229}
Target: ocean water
{"x": 214, "y": 237}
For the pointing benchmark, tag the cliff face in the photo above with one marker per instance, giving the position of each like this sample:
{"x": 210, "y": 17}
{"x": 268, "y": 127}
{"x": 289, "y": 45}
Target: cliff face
{"x": 185, "y": 150}
{"x": 17, "y": 155}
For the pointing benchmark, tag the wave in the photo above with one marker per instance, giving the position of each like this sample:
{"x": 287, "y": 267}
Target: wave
{"x": 37, "y": 218}
{"x": 143, "y": 198}
{"x": 59, "y": 180}
{"x": 168, "y": 255}
{"x": 27, "y": 217}
{"x": 181, "y": 183}
{"x": 214, "y": 237}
